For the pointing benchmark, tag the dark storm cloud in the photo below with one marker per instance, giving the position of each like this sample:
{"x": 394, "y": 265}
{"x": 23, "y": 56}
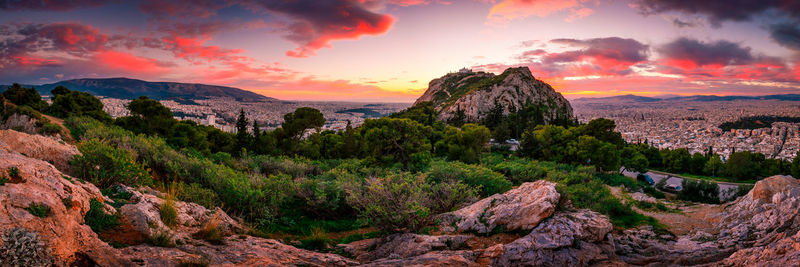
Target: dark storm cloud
{"x": 721, "y": 52}
{"x": 610, "y": 48}
{"x": 718, "y": 11}
{"x": 786, "y": 34}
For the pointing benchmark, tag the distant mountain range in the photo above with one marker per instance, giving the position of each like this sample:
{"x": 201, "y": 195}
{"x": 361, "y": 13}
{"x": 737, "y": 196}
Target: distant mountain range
{"x": 126, "y": 88}
{"x": 701, "y": 98}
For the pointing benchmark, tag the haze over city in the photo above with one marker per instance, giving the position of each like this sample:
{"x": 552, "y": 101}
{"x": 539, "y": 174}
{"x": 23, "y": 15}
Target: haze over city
{"x": 388, "y": 50}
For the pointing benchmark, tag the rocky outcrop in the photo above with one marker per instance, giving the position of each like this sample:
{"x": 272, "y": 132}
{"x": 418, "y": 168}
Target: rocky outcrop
{"x": 60, "y": 236}
{"x": 475, "y": 93}
{"x": 62, "y": 229}
{"x": 521, "y": 208}
{"x": 761, "y": 228}
{"x": 39, "y": 147}
{"x": 237, "y": 250}
{"x": 579, "y": 238}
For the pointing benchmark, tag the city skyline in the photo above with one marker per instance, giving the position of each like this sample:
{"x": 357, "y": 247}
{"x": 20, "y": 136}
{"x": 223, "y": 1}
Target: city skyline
{"x": 387, "y": 51}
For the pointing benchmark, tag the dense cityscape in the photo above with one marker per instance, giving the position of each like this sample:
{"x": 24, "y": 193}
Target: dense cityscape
{"x": 222, "y": 112}
{"x": 695, "y": 124}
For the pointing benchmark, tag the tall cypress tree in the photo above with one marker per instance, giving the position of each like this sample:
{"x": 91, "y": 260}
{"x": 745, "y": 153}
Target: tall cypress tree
{"x": 242, "y": 135}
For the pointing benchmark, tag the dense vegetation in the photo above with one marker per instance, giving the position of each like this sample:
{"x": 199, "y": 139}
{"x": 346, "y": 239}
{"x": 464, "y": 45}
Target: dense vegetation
{"x": 393, "y": 173}
{"x": 756, "y": 122}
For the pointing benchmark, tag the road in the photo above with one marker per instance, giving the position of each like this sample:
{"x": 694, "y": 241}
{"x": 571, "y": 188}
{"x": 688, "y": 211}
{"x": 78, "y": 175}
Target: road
{"x": 725, "y": 189}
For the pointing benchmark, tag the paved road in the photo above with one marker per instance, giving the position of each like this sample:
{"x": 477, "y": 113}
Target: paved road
{"x": 725, "y": 189}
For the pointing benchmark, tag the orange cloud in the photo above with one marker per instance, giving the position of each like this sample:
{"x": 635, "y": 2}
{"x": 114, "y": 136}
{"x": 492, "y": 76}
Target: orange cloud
{"x": 505, "y": 11}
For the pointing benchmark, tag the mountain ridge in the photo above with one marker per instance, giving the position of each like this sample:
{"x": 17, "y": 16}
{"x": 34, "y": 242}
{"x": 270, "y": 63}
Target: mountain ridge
{"x": 127, "y": 88}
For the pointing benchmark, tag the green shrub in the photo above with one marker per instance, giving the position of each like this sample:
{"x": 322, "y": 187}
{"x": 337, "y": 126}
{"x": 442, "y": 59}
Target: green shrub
{"x": 595, "y": 196}
{"x": 487, "y": 180}
{"x": 13, "y": 172}
{"x": 4, "y": 180}
{"x": 651, "y": 191}
{"x": 50, "y": 129}
{"x": 39, "y": 209}
{"x": 104, "y": 165}
{"x": 195, "y": 193}
{"x": 98, "y": 219}
{"x": 699, "y": 191}
{"x": 397, "y": 202}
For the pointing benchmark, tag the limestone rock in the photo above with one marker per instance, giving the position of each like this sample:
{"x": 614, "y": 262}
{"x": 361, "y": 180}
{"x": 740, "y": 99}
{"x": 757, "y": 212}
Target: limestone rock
{"x": 641, "y": 197}
{"x": 521, "y": 208}
{"x": 237, "y": 251}
{"x": 143, "y": 214}
{"x": 403, "y": 246}
{"x": 475, "y": 94}
{"x": 63, "y": 230}
{"x": 39, "y": 147}
{"x": 567, "y": 239}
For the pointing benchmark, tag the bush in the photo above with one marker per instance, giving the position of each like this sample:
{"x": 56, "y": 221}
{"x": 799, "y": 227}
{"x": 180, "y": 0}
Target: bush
{"x": 13, "y": 172}
{"x": 50, "y": 129}
{"x": 23, "y": 248}
{"x": 699, "y": 191}
{"x": 595, "y": 196}
{"x": 104, "y": 165}
{"x": 4, "y": 180}
{"x": 488, "y": 181}
{"x": 397, "y": 202}
{"x": 98, "y": 219}
{"x": 651, "y": 191}
{"x": 39, "y": 209}
{"x": 194, "y": 192}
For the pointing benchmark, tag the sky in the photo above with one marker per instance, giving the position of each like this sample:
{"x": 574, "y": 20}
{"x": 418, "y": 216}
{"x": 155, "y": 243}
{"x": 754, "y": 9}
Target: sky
{"x": 388, "y": 50}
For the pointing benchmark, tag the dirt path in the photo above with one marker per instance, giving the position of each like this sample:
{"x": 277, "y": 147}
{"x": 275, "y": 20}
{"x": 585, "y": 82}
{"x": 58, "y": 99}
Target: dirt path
{"x": 692, "y": 216}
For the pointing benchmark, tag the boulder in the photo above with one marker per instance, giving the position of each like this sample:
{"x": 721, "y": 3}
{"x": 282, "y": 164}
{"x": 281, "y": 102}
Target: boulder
{"x": 766, "y": 188}
{"x": 521, "y": 208}
{"x": 39, "y": 147}
{"x": 576, "y": 238}
{"x": 143, "y": 214}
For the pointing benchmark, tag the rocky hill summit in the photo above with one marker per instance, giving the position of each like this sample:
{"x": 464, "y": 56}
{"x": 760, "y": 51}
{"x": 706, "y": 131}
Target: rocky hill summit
{"x": 45, "y": 218}
{"x": 476, "y": 93}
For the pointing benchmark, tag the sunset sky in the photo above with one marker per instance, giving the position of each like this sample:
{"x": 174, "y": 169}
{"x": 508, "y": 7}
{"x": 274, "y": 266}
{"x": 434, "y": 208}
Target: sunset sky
{"x": 388, "y": 50}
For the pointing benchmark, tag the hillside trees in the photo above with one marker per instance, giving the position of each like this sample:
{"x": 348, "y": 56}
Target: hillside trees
{"x": 465, "y": 143}
{"x": 68, "y": 103}
{"x": 391, "y": 140}
{"x": 22, "y": 96}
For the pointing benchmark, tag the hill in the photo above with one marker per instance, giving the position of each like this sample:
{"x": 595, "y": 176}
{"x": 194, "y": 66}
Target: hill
{"x": 475, "y": 93}
{"x": 126, "y": 88}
